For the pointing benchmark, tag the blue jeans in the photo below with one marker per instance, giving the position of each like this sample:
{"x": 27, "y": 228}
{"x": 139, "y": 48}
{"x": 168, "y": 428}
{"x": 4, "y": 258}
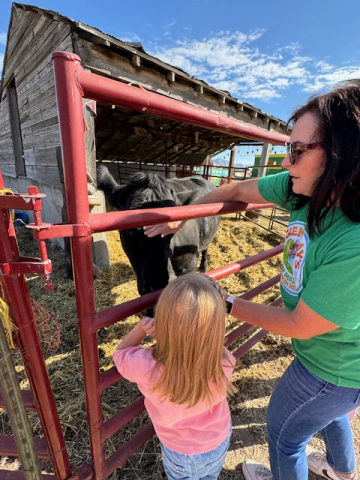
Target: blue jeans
{"x": 203, "y": 466}
{"x": 302, "y": 405}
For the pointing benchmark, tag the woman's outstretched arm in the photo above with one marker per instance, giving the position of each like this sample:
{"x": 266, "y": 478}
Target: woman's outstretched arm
{"x": 246, "y": 191}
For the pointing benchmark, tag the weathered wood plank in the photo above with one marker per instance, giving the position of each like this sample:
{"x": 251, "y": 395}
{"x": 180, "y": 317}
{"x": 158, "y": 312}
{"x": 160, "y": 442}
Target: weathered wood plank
{"x": 44, "y": 174}
{"x": 15, "y": 129}
{"x": 19, "y": 42}
{"x": 5, "y": 131}
{"x": 38, "y": 109}
{"x": 41, "y": 156}
{"x": 43, "y": 120}
{"x": 56, "y": 35}
{"x": 37, "y": 79}
{"x": 21, "y": 23}
{"x": 45, "y": 138}
{"x": 27, "y": 42}
{"x": 7, "y": 168}
{"x": 90, "y": 145}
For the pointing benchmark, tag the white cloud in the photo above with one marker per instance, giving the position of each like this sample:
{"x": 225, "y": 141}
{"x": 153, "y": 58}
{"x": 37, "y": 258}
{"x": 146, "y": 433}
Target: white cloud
{"x": 329, "y": 80}
{"x": 3, "y": 36}
{"x": 234, "y": 62}
{"x": 130, "y": 37}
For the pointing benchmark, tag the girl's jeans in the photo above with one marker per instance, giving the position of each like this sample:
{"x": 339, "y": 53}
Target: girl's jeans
{"x": 204, "y": 466}
{"x": 302, "y": 405}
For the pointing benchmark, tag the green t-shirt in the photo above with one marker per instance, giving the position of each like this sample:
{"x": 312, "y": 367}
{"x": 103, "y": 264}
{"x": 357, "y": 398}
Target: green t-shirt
{"x": 325, "y": 272}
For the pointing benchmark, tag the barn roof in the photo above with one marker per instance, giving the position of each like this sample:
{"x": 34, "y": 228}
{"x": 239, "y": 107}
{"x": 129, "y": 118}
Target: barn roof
{"x": 123, "y": 134}
{"x": 195, "y": 159}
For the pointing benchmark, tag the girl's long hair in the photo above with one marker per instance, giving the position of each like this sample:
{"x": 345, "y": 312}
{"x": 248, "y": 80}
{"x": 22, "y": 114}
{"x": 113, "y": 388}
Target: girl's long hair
{"x": 190, "y": 332}
{"x": 338, "y": 114}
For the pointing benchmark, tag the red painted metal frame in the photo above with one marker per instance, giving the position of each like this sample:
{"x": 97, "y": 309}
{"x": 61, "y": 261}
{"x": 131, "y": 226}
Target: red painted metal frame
{"x": 27, "y": 339}
{"x": 72, "y": 84}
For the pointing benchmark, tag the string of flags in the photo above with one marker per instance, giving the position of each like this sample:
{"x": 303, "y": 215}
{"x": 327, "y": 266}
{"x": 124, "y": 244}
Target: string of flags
{"x": 247, "y": 151}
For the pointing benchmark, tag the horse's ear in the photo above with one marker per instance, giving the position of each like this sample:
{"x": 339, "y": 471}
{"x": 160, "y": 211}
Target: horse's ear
{"x": 121, "y": 197}
{"x": 186, "y": 197}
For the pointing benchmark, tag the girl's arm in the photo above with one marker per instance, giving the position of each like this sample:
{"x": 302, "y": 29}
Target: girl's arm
{"x": 146, "y": 326}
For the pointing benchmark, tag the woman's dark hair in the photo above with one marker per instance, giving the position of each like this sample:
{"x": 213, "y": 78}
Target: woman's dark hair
{"x": 338, "y": 113}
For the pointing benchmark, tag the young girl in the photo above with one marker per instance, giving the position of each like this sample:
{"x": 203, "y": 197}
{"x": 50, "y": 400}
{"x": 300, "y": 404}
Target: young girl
{"x": 185, "y": 376}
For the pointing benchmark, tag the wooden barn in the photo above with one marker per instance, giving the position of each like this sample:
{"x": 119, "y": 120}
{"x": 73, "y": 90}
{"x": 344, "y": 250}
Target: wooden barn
{"x": 30, "y": 151}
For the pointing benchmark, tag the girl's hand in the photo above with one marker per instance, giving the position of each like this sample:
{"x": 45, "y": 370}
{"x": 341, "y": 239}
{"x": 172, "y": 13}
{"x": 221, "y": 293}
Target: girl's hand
{"x": 163, "y": 229}
{"x": 148, "y": 324}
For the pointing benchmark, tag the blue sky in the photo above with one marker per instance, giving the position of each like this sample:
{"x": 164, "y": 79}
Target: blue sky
{"x": 271, "y": 54}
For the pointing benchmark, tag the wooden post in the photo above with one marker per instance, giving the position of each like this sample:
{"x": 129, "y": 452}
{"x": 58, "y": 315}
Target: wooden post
{"x": 15, "y": 408}
{"x": 231, "y": 165}
{"x": 264, "y": 159}
{"x": 97, "y": 203}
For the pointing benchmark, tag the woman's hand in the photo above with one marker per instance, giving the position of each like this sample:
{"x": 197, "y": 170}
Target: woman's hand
{"x": 163, "y": 229}
{"x": 148, "y": 325}
{"x": 222, "y": 292}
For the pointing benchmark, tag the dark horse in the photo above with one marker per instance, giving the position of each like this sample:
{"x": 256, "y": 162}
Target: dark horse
{"x": 158, "y": 260}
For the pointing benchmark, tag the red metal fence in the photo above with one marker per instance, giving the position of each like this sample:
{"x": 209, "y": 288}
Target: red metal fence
{"x": 72, "y": 84}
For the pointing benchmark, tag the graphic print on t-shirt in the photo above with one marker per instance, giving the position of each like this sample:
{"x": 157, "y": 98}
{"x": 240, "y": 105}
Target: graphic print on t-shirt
{"x": 296, "y": 243}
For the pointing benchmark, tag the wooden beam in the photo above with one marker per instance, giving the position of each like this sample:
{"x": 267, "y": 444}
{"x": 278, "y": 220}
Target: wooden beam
{"x": 114, "y": 128}
{"x": 171, "y": 77}
{"x": 135, "y": 60}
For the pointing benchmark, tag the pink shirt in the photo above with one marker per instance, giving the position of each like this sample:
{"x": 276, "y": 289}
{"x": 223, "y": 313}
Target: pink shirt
{"x": 185, "y": 430}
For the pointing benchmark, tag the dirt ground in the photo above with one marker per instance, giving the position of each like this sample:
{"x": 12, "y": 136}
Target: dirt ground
{"x": 255, "y": 376}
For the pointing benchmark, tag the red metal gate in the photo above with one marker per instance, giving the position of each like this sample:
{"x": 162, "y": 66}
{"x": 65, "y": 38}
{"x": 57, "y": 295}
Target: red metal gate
{"x": 72, "y": 84}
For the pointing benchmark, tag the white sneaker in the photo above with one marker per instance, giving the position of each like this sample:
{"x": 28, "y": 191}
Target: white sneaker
{"x": 318, "y": 464}
{"x": 256, "y": 471}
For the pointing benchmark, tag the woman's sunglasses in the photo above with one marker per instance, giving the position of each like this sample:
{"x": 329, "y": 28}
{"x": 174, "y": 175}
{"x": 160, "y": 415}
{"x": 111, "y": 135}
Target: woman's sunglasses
{"x": 293, "y": 150}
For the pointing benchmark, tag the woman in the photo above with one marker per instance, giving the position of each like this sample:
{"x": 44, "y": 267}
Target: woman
{"x": 320, "y": 285}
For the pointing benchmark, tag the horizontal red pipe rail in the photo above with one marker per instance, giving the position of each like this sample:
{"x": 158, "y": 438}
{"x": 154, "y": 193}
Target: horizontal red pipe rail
{"x": 108, "y": 378}
{"x": 135, "y": 218}
{"x": 99, "y": 222}
{"x": 8, "y": 447}
{"x": 245, "y": 327}
{"x": 27, "y": 398}
{"x": 257, "y": 337}
{"x": 18, "y": 475}
{"x": 123, "y": 453}
{"x": 111, "y": 315}
{"x": 249, "y": 344}
{"x": 254, "y": 292}
{"x": 21, "y": 202}
{"x": 122, "y": 418}
{"x": 227, "y": 270}
{"x": 113, "y": 92}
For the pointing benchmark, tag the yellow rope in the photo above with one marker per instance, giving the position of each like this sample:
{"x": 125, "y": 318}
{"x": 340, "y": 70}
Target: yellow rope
{"x": 6, "y": 190}
{"x": 3, "y": 191}
{"x": 6, "y": 321}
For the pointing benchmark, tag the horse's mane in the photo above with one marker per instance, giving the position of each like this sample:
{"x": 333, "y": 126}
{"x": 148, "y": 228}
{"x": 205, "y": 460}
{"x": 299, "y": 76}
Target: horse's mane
{"x": 148, "y": 190}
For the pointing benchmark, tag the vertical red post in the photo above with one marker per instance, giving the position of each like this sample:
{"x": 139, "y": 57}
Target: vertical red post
{"x": 70, "y": 109}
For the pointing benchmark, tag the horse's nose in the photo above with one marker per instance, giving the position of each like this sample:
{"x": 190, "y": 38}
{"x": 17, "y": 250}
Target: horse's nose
{"x": 145, "y": 287}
